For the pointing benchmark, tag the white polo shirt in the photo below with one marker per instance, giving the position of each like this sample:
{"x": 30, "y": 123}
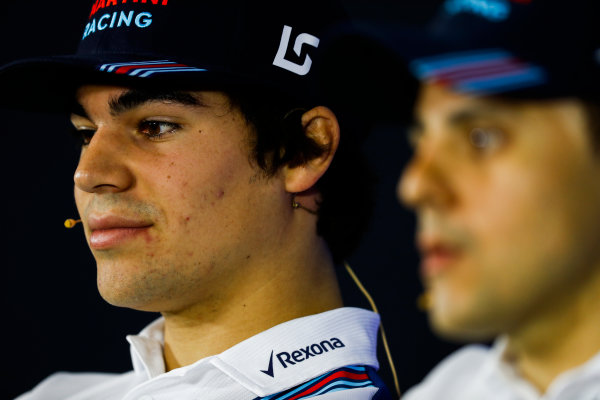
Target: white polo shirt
{"x": 480, "y": 373}
{"x": 326, "y": 356}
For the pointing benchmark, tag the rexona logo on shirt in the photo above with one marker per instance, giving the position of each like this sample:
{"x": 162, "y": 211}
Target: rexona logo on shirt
{"x": 293, "y": 357}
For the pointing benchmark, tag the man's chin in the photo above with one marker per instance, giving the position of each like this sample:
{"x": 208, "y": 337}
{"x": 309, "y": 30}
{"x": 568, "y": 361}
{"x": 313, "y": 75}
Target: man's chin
{"x": 461, "y": 328}
{"x": 127, "y": 299}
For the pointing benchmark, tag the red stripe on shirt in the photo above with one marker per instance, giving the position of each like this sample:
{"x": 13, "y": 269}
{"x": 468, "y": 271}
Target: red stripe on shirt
{"x": 339, "y": 374}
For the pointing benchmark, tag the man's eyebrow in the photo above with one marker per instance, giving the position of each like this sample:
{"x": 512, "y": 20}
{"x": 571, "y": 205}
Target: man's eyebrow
{"x": 472, "y": 113}
{"x": 77, "y": 109}
{"x": 463, "y": 116}
{"x": 134, "y": 98}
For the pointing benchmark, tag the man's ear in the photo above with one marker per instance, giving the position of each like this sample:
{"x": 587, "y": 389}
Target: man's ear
{"x": 321, "y": 125}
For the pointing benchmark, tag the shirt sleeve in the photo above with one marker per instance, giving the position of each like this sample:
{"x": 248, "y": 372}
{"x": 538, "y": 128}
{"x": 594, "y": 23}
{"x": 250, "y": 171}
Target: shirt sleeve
{"x": 61, "y": 385}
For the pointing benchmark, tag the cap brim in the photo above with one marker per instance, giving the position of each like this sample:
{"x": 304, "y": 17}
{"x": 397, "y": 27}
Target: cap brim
{"x": 464, "y": 67}
{"x": 49, "y": 84}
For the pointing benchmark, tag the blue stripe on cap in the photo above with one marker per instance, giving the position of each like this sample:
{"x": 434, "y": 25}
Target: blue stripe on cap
{"x": 424, "y": 68}
{"x": 111, "y": 67}
{"x": 164, "y": 71}
{"x": 530, "y": 76}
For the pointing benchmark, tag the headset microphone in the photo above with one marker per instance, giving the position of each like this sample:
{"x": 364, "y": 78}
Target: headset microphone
{"x": 70, "y": 223}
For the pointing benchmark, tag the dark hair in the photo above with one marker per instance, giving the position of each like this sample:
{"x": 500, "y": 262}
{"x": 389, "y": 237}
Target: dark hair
{"x": 346, "y": 188}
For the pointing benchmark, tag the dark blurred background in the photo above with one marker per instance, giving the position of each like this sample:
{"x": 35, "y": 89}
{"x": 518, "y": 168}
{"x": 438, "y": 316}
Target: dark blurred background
{"x": 54, "y": 318}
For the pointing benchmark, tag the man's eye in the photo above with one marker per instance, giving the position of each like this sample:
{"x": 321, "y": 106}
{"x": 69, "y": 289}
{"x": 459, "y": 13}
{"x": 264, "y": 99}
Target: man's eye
{"x": 85, "y": 134}
{"x": 157, "y": 129}
{"x": 486, "y": 139}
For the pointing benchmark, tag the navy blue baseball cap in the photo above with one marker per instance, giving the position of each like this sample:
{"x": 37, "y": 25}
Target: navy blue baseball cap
{"x": 514, "y": 48}
{"x": 192, "y": 45}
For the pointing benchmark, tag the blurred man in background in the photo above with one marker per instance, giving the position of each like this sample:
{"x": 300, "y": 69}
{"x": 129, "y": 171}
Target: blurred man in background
{"x": 505, "y": 181}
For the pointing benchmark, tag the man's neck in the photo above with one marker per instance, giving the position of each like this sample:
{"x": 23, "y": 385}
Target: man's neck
{"x": 565, "y": 336}
{"x": 274, "y": 294}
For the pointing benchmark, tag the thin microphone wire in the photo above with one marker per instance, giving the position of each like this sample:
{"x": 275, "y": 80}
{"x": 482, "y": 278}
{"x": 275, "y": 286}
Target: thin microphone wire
{"x": 383, "y": 337}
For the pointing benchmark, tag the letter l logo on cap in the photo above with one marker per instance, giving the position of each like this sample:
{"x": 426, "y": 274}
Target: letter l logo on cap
{"x": 303, "y": 38}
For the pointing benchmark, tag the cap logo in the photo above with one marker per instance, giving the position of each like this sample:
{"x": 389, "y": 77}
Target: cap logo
{"x": 107, "y": 3}
{"x": 302, "y": 39}
{"x": 493, "y": 10}
{"x": 118, "y": 19}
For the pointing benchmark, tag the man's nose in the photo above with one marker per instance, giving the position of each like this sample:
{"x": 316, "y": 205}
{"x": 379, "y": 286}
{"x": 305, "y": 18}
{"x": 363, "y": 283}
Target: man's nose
{"x": 424, "y": 181}
{"x": 103, "y": 164}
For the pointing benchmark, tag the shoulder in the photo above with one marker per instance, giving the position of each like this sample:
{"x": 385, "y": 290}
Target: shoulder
{"x": 62, "y": 385}
{"x": 452, "y": 376}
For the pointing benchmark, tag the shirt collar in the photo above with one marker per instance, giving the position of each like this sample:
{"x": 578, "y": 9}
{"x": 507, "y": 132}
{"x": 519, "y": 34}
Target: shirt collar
{"x": 585, "y": 375}
{"x": 298, "y": 350}
{"x": 147, "y": 350}
{"x": 280, "y": 357}
{"x": 497, "y": 366}
{"x": 501, "y": 374}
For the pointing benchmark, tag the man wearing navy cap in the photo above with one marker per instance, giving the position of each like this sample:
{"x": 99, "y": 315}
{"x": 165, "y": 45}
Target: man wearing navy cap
{"x": 211, "y": 188}
{"x": 505, "y": 181}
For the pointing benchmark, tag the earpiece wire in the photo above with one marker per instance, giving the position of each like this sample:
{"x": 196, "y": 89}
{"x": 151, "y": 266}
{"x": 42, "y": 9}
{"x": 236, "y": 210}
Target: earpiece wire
{"x": 381, "y": 330}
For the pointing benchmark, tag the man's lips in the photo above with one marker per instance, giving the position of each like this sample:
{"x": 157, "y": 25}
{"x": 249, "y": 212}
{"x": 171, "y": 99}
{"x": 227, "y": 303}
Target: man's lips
{"x": 437, "y": 256}
{"x": 108, "y": 231}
